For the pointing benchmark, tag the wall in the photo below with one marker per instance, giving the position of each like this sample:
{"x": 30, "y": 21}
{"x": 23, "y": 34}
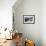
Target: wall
{"x": 30, "y": 31}
{"x": 6, "y": 13}
{"x": 43, "y": 22}
{"x": 6, "y": 18}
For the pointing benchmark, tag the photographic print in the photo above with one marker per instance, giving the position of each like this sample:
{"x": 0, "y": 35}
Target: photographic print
{"x": 29, "y": 19}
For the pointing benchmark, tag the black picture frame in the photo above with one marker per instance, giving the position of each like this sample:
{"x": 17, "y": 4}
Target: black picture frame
{"x": 28, "y": 19}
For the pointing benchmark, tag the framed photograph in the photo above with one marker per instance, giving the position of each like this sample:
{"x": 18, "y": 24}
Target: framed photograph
{"x": 28, "y": 19}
